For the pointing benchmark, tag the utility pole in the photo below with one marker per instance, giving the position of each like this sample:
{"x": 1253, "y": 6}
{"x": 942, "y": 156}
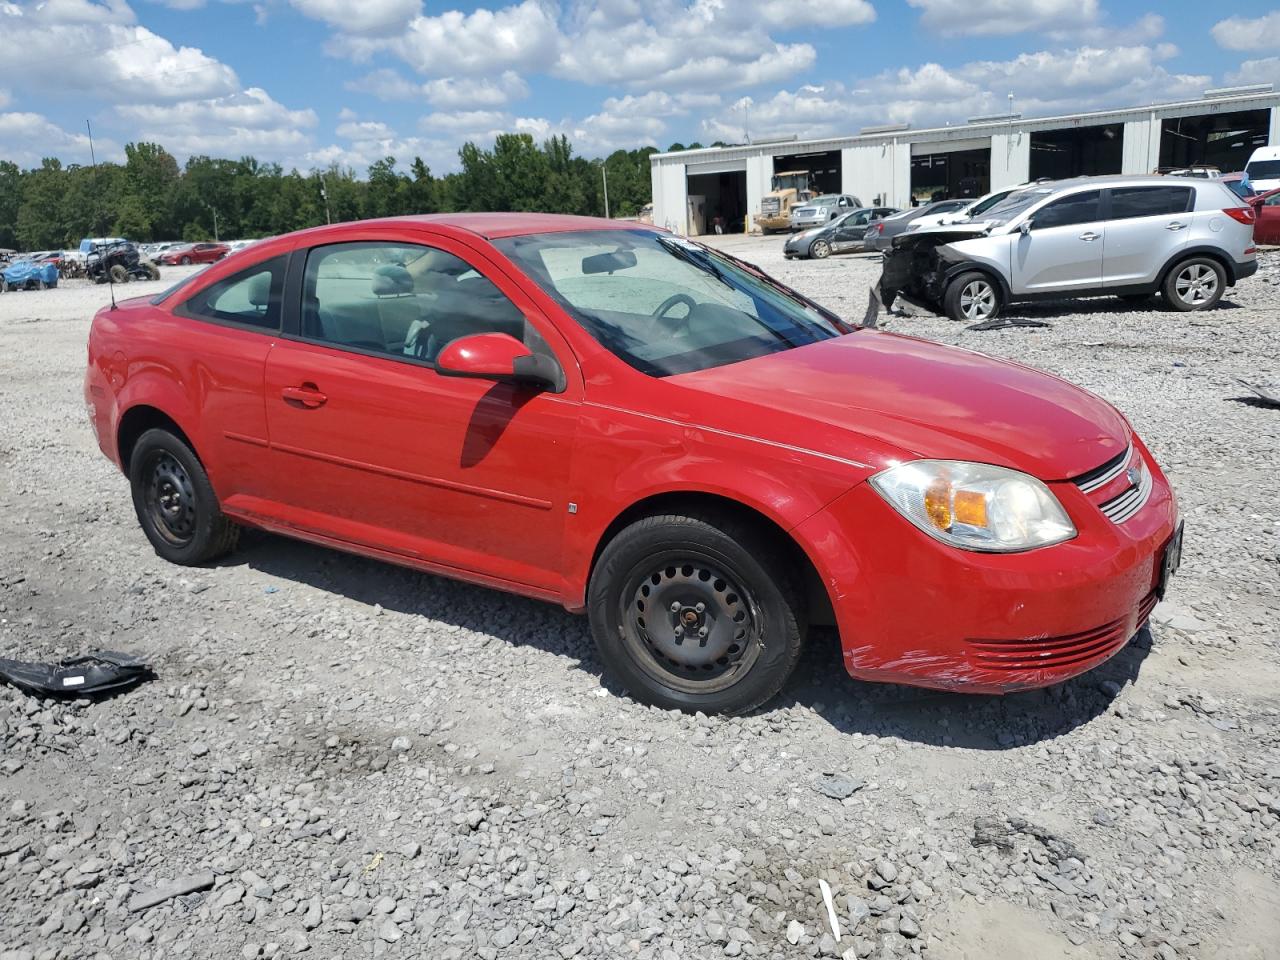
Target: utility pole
{"x": 324, "y": 195}
{"x": 604, "y": 175}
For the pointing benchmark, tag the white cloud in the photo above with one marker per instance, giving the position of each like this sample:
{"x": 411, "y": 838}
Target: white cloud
{"x": 447, "y": 92}
{"x": 250, "y": 122}
{"x": 1000, "y": 17}
{"x": 26, "y": 138}
{"x": 787, "y": 14}
{"x": 84, "y": 48}
{"x": 1044, "y": 83}
{"x": 1266, "y": 70}
{"x": 364, "y": 16}
{"x": 475, "y": 44}
{"x": 1241, "y": 33}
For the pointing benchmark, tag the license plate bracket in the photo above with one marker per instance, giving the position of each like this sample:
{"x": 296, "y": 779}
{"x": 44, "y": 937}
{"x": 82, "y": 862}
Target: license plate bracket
{"x": 1170, "y": 561}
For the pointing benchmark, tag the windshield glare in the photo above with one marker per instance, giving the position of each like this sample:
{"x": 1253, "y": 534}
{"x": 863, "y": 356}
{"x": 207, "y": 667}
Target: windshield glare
{"x": 665, "y": 305}
{"x": 1013, "y": 205}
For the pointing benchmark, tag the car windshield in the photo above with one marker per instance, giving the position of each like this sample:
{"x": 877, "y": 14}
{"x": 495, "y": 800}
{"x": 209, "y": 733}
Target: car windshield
{"x": 827, "y": 200}
{"x": 1263, "y": 170}
{"x": 1014, "y": 204}
{"x": 665, "y": 305}
{"x": 982, "y": 206}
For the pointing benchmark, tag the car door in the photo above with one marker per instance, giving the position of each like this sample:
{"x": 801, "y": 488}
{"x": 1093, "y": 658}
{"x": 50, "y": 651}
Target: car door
{"x": 1266, "y": 228}
{"x": 1062, "y": 250}
{"x": 848, "y": 234}
{"x": 1146, "y": 227}
{"x": 373, "y": 447}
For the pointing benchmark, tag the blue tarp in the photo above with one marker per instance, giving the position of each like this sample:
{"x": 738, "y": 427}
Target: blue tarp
{"x": 24, "y": 271}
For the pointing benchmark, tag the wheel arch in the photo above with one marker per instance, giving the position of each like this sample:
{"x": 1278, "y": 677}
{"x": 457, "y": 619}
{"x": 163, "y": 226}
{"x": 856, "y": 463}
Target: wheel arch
{"x": 977, "y": 266}
{"x": 1191, "y": 253}
{"x": 702, "y": 503}
{"x": 136, "y": 421}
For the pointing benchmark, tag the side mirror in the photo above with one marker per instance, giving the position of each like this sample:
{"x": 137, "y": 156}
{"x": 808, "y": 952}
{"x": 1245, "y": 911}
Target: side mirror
{"x": 1025, "y": 227}
{"x": 501, "y": 357}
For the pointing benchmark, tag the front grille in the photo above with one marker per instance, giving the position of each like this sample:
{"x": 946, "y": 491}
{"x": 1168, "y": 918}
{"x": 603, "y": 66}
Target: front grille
{"x": 1119, "y": 506}
{"x": 1063, "y": 651}
{"x": 769, "y": 206}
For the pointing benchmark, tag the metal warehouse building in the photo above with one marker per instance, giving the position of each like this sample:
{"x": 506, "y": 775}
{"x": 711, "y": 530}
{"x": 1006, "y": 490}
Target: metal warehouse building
{"x": 896, "y": 166}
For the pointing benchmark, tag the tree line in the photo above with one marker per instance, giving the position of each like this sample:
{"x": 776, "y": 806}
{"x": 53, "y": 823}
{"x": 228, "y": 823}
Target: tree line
{"x": 151, "y": 197}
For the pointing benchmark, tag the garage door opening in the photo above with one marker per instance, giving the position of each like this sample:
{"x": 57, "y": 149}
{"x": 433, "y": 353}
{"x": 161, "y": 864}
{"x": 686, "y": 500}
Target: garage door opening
{"x": 945, "y": 176}
{"x": 824, "y": 169}
{"x": 1077, "y": 152}
{"x": 721, "y": 196}
{"x": 1222, "y": 140}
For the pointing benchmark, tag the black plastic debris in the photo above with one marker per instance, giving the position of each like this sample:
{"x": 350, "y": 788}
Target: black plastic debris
{"x": 1268, "y": 398}
{"x": 101, "y": 672}
{"x": 1001, "y": 323}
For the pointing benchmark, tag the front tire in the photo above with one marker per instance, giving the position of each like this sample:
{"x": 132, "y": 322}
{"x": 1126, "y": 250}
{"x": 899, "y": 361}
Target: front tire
{"x": 1195, "y": 284}
{"x": 972, "y": 297}
{"x": 186, "y": 261}
{"x": 820, "y": 250}
{"x": 175, "y": 502}
{"x": 696, "y": 613}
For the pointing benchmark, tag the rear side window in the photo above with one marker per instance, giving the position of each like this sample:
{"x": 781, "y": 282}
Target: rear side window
{"x": 251, "y": 297}
{"x": 1130, "y": 202}
{"x": 1068, "y": 211}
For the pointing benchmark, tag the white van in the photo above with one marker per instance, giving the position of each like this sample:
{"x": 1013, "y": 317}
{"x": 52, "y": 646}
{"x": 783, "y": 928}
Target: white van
{"x": 1263, "y": 169}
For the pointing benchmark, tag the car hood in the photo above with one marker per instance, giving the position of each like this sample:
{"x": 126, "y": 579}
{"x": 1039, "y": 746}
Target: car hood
{"x": 876, "y": 398}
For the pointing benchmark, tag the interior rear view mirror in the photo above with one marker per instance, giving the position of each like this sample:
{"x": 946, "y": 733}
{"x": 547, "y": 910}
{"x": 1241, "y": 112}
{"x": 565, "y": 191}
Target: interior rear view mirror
{"x": 609, "y": 262}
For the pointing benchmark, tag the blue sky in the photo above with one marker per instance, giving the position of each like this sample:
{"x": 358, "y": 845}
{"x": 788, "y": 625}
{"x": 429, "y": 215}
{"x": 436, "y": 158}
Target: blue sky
{"x": 310, "y": 82}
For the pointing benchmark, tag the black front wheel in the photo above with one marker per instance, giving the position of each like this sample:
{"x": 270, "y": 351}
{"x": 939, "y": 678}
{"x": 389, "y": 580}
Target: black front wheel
{"x": 175, "y": 502}
{"x": 696, "y": 613}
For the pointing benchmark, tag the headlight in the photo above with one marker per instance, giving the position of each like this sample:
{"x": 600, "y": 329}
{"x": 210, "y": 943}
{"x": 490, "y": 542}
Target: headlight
{"x": 975, "y": 506}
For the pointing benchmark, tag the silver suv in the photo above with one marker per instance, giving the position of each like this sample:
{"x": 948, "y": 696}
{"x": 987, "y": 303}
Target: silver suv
{"x": 823, "y": 209}
{"x": 1187, "y": 239}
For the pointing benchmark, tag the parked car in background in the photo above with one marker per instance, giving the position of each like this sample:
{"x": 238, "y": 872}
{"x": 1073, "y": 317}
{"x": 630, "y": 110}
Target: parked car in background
{"x": 234, "y": 245}
{"x": 29, "y": 275}
{"x": 1237, "y": 184}
{"x": 844, "y": 234}
{"x": 823, "y": 209}
{"x": 879, "y": 236}
{"x": 449, "y": 394}
{"x": 1188, "y": 239}
{"x": 195, "y": 253}
{"x": 1263, "y": 169}
{"x": 1266, "y": 210}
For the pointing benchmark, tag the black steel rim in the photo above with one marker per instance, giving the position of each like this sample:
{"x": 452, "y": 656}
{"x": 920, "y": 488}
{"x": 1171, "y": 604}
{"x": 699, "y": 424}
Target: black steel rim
{"x": 170, "y": 499}
{"x": 690, "y": 624}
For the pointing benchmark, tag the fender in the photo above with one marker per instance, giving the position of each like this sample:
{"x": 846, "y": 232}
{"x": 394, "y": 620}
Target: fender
{"x": 786, "y": 485}
{"x": 1217, "y": 254}
{"x": 155, "y": 387}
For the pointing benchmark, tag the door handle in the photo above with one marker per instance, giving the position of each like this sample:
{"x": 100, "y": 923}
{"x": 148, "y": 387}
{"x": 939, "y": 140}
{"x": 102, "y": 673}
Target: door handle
{"x": 1089, "y": 237}
{"x": 307, "y": 396}
{"x": 1176, "y": 225}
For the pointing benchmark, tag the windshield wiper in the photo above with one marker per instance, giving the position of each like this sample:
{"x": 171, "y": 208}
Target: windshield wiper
{"x": 701, "y": 261}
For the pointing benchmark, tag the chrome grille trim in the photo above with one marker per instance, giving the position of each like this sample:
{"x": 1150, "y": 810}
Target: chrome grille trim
{"x": 1121, "y": 508}
{"x": 1093, "y": 480}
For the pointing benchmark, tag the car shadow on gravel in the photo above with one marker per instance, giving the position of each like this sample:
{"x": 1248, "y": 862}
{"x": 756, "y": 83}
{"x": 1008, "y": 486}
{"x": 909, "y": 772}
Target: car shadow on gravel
{"x": 512, "y": 619}
{"x": 939, "y": 718}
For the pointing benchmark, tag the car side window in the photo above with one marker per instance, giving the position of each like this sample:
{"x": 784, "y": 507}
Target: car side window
{"x": 1068, "y": 211}
{"x": 1132, "y": 202}
{"x": 251, "y": 297}
{"x": 1272, "y": 201}
{"x": 403, "y": 300}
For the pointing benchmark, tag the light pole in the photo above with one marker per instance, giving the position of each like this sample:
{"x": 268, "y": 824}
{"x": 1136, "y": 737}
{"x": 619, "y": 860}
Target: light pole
{"x": 324, "y": 195}
{"x": 604, "y": 175}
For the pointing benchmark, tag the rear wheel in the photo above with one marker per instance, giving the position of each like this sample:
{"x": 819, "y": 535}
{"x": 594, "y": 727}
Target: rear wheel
{"x": 119, "y": 274}
{"x": 972, "y": 297}
{"x": 175, "y": 502}
{"x": 696, "y": 613}
{"x": 153, "y": 272}
{"x": 1195, "y": 284}
{"x": 820, "y": 250}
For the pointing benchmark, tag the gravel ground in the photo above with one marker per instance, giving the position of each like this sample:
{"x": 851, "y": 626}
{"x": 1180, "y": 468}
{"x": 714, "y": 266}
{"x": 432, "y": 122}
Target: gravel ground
{"x": 351, "y": 759}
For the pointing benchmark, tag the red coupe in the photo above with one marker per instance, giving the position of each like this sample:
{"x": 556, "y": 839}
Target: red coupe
{"x": 650, "y": 431}
{"x": 195, "y": 253}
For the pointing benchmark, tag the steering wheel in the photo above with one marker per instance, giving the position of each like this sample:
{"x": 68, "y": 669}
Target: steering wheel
{"x": 675, "y": 300}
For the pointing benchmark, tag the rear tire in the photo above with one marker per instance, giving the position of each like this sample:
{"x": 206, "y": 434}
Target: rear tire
{"x": 175, "y": 502}
{"x": 644, "y": 600}
{"x": 1196, "y": 283}
{"x": 972, "y": 298}
{"x": 119, "y": 274}
{"x": 153, "y": 272}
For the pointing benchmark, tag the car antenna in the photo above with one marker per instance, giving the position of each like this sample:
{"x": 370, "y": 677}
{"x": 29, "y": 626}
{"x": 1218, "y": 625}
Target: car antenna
{"x": 93, "y": 159}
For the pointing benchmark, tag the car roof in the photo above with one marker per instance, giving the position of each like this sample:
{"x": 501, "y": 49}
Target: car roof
{"x": 1112, "y": 180}
{"x": 494, "y": 226}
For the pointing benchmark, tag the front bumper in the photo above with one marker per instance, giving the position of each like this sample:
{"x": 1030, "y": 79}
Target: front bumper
{"x": 913, "y": 610}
